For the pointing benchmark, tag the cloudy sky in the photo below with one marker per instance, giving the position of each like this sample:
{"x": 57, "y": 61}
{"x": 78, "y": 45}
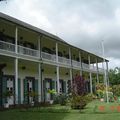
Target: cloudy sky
{"x": 83, "y": 23}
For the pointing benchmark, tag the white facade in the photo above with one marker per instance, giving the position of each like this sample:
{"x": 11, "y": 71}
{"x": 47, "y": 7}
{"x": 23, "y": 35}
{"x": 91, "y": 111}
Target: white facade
{"x": 39, "y": 61}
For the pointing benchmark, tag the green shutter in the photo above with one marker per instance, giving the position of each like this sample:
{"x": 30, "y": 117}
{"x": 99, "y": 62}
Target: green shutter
{"x": 19, "y": 91}
{"x": 53, "y": 87}
{"x": 36, "y": 89}
{"x": 53, "y": 84}
{"x": 64, "y": 86}
{"x": 4, "y": 88}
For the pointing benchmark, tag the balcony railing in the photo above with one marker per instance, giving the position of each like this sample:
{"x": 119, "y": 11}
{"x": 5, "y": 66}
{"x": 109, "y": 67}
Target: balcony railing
{"x": 28, "y": 51}
{"x": 63, "y": 60}
{"x": 48, "y": 56}
{"x": 101, "y": 70}
{"x": 93, "y": 68}
{"x": 7, "y": 46}
{"x": 75, "y": 63}
{"x": 85, "y": 66}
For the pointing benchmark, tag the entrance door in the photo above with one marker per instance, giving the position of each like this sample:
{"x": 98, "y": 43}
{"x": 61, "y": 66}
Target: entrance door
{"x": 47, "y": 91}
{"x": 47, "y": 87}
{"x": 29, "y": 86}
{"x": 61, "y": 86}
{"x": 10, "y": 87}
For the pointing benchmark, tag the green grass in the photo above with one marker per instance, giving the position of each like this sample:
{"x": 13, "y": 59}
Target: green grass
{"x": 91, "y": 112}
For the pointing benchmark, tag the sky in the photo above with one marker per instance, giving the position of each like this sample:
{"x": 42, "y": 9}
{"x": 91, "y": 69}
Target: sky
{"x": 83, "y": 23}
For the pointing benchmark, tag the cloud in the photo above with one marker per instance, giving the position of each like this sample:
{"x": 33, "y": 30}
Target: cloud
{"x": 77, "y": 22}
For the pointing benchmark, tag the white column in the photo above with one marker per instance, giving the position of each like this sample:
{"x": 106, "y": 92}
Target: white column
{"x": 16, "y": 66}
{"x": 57, "y": 69}
{"x": 71, "y": 76}
{"x": 103, "y": 67}
{"x": 55, "y": 85}
{"x": 56, "y": 52}
{"x": 90, "y": 75}
{"x": 39, "y": 45}
{"x": 16, "y": 80}
{"x": 70, "y": 58}
{"x": 107, "y": 73}
{"x": 16, "y": 39}
{"x": 39, "y": 82}
{"x": 80, "y": 64}
{"x": 58, "y": 83}
{"x": 97, "y": 71}
{"x": 42, "y": 86}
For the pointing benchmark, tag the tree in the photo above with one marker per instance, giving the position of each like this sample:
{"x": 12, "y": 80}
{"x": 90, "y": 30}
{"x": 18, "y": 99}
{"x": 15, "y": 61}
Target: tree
{"x": 114, "y": 76}
{"x": 79, "y": 98}
{"x": 79, "y": 85}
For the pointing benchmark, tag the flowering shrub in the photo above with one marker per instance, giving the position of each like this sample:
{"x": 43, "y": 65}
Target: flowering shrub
{"x": 79, "y": 98}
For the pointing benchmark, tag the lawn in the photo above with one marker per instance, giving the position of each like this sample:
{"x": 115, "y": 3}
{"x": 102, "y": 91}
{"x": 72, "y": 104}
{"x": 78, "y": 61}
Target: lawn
{"x": 93, "y": 111}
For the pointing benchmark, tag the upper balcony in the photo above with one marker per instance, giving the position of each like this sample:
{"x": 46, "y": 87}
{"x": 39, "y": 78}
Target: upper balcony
{"x": 10, "y": 47}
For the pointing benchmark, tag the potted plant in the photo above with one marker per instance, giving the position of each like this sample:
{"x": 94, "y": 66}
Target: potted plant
{"x": 52, "y": 92}
{"x": 32, "y": 95}
{"x": 7, "y": 95}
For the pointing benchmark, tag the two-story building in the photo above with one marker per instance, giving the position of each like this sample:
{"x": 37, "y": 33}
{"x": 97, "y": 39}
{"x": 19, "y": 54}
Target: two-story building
{"x": 32, "y": 59}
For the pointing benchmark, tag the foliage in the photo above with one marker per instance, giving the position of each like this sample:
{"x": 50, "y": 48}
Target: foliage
{"x": 8, "y": 94}
{"x": 101, "y": 92}
{"x": 60, "y": 99}
{"x": 52, "y": 91}
{"x": 47, "y": 110}
{"x": 32, "y": 94}
{"x": 79, "y": 102}
{"x": 79, "y": 98}
{"x": 114, "y": 76}
{"x": 78, "y": 85}
{"x": 110, "y": 97}
{"x": 116, "y": 90}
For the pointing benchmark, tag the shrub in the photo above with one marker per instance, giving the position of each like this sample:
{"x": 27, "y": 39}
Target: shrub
{"x": 79, "y": 102}
{"x": 60, "y": 99}
{"x": 116, "y": 90}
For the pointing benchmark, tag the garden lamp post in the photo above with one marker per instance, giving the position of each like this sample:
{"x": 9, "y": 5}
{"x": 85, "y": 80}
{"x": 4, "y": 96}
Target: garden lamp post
{"x": 105, "y": 78}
